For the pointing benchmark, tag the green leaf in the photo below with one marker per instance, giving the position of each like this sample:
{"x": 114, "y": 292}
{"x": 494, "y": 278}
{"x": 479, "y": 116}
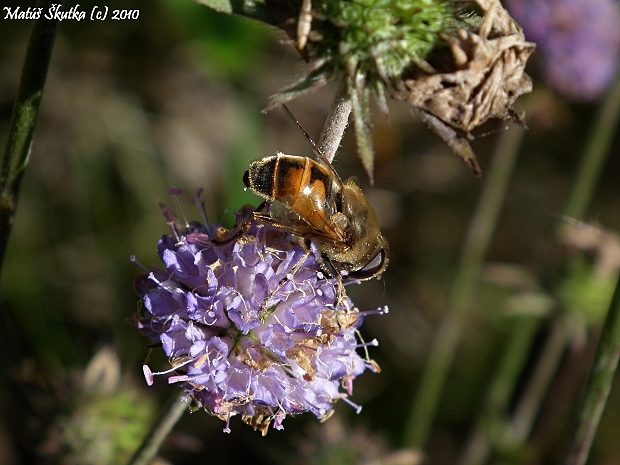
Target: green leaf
{"x": 360, "y": 102}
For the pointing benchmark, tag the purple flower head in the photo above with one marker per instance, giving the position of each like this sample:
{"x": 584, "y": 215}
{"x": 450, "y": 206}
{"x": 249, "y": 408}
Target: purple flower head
{"x": 579, "y": 41}
{"x": 249, "y": 323}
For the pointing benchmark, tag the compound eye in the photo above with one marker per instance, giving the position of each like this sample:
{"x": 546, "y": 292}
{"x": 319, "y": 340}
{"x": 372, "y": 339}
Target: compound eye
{"x": 246, "y": 178}
{"x": 372, "y": 269}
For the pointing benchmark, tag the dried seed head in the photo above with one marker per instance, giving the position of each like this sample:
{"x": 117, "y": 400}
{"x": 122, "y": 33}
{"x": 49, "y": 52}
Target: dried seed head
{"x": 397, "y": 48}
{"x": 487, "y": 77}
{"x": 368, "y": 44}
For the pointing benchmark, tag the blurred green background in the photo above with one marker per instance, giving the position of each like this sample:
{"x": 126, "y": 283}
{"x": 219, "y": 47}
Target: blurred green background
{"x": 174, "y": 99}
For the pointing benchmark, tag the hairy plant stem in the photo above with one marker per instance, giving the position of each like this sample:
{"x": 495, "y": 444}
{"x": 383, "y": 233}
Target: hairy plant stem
{"x": 336, "y": 123}
{"x": 171, "y": 414}
{"x": 461, "y": 293}
{"x": 24, "y": 118}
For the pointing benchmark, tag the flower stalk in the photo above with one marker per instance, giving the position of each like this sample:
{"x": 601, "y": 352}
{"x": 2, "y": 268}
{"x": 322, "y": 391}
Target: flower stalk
{"x": 492, "y": 421}
{"x": 598, "y": 385}
{"x": 596, "y": 152}
{"x": 24, "y": 118}
{"x": 335, "y": 124}
{"x": 461, "y": 293}
{"x": 170, "y": 415}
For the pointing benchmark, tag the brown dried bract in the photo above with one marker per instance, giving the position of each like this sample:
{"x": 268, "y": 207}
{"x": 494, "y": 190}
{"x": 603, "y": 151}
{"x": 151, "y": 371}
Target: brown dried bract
{"x": 489, "y": 74}
{"x": 304, "y": 24}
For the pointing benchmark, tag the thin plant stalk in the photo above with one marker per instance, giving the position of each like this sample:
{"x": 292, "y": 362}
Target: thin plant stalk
{"x": 596, "y": 152}
{"x": 169, "y": 417}
{"x": 598, "y": 385}
{"x": 546, "y": 367}
{"x": 501, "y": 390}
{"x": 459, "y": 299}
{"x": 336, "y": 123}
{"x": 24, "y": 118}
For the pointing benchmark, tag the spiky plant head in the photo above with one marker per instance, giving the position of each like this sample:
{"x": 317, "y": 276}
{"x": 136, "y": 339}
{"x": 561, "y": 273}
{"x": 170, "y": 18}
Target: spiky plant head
{"x": 379, "y": 38}
{"x": 368, "y": 45}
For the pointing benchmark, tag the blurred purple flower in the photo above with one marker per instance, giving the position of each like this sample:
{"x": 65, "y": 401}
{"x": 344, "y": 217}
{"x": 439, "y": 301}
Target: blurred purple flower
{"x": 579, "y": 41}
{"x": 248, "y": 329}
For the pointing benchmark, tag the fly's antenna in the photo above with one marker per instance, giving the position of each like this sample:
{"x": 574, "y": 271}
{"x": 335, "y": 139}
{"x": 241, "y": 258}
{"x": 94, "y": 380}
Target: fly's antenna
{"x": 303, "y": 132}
{"x": 317, "y": 151}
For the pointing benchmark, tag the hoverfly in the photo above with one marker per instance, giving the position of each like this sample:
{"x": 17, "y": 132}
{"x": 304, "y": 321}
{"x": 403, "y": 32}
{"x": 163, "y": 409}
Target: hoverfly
{"x": 307, "y": 198}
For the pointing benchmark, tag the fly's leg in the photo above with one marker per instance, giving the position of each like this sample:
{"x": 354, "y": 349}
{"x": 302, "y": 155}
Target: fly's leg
{"x": 331, "y": 272}
{"x": 243, "y": 227}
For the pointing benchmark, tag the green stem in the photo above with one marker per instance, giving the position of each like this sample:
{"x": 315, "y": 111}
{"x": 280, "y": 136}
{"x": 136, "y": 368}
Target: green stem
{"x": 23, "y": 119}
{"x": 537, "y": 386}
{"x": 169, "y": 417}
{"x": 448, "y": 334}
{"x": 501, "y": 389}
{"x": 595, "y": 153}
{"x": 598, "y": 386}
